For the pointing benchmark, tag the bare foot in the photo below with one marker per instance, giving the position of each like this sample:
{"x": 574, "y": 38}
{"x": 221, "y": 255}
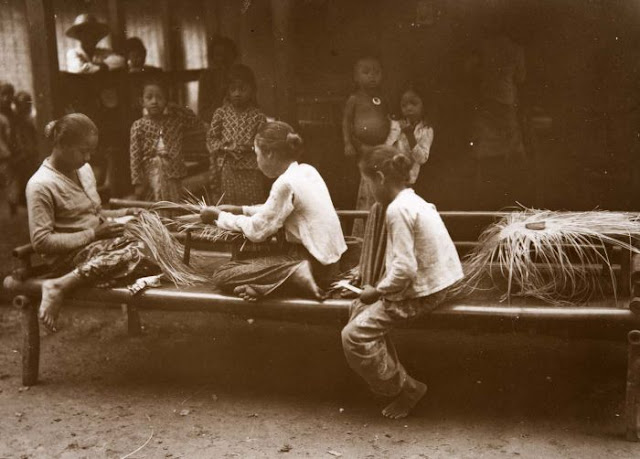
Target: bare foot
{"x": 411, "y": 394}
{"x": 52, "y": 296}
{"x": 246, "y": 292}
{"x": 303, "y": 279}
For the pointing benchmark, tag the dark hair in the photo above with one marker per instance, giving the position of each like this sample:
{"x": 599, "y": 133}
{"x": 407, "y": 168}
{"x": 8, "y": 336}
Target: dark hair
{"x": 228, "y": 44}
{"x": 386, "y": 159}
{"x": 156, "y": 81}
{"x": 69, "y": 129}
{"x": 366, "y": 57}
{"x": 425, "y": 96}
{"x": 279, "y": 138}
{"x": 135, "y": 44}
{"x": 23, "y": 95}
{"x": 6, "y": 86}
{"x": 245, "y": 75}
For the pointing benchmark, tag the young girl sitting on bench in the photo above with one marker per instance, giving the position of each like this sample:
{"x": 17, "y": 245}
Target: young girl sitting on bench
{"x": 300, "y": 203}
{"x": 421, "y": 263}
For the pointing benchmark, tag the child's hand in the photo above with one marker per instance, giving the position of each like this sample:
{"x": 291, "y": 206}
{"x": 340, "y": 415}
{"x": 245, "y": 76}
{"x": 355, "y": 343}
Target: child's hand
{"x": 209, "y": 214}
{"x": 404, "y": 124}
{"x": 236, "y": 210}
{"x": 369, "y": 295}
{"x": 349, "y": 151}
{"x": 135, "y": 211}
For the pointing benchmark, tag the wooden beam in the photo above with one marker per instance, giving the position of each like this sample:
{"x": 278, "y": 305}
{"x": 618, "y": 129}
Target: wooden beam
{"x": 168, "y": 35}
{"x": 44, "y": 63}
{"x": 282, "y": 23}
{"x": 211, "y": 12}
{"x": 117, "y": 25}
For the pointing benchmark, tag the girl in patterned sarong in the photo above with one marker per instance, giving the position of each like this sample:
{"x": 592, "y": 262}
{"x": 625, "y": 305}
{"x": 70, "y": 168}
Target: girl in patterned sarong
{"x": 230, "y": 142}
{"x": 68, "y": 227}
{"x": 157, "y": 161}
{"x": 299, "y": 203}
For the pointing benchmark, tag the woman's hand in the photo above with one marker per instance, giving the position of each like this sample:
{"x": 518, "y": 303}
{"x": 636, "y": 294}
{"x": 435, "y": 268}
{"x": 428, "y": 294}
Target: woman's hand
{"x": 134, "y": 211}
{"x": 369, "y": 295}
{"x": 108, "y": 230}
{"x": 209, "y": 214}
{"x": 236, "y": 210}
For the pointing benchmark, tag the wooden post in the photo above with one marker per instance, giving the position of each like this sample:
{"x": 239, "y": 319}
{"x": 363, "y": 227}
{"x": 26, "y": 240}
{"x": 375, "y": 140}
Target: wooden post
{"x": 116, "y": 25}
{"x": 282, "y": 17}
{"x": 168, "y": 34}
{"x": 44, "y": 63}
{"x": 30, "y": 339}
{"x": 632, "y": 408}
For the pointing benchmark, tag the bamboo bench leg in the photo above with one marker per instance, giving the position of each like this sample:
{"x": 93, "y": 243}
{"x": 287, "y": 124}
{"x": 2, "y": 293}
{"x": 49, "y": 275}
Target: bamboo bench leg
{"x": 633, "y": 387}
{"x": 134, "y": 327}
{"x": 30, "y": 339}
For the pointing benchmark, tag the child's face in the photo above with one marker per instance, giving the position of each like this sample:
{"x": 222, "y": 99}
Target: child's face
{"x": 6, "y": 96}
{"x": 239, "y": 93}
{"x": 411, "y": 106}
{"x": 23, "y": 106}
{"x": 135, "y": 59}
{"x": 154, "y": 99}
{"x": 79, "y": 154}
{"x": 368, "y": 74}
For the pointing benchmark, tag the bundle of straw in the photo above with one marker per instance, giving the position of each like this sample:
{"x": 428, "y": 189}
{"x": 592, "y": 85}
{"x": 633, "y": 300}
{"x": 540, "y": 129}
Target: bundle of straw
{"x": 550, "y": 255}
{"x": 164, "y": 248}
{"x": 189, "y": 222}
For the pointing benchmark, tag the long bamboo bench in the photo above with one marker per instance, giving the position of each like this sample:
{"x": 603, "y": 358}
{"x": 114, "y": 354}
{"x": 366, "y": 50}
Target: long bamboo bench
{"x": 604, "y": 318}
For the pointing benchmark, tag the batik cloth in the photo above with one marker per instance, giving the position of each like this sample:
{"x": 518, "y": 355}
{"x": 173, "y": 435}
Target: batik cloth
{"x": 367, "y": 346}
{"x": 145, "y": 137}
{"x": 230, "y": 142}
{"x": 267, "y": 274}
{"x": 108, "y": 261}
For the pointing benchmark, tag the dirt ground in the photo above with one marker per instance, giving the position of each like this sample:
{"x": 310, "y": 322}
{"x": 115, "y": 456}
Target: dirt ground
{"x": 199, "y": 385}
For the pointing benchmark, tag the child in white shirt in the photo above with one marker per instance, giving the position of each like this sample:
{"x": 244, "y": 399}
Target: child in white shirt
{"x": 421, "y": 262}
{"x": 413, "y": 134}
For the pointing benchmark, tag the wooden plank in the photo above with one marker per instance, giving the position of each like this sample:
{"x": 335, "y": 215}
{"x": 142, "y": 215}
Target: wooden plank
{"x": 44, "y": 64}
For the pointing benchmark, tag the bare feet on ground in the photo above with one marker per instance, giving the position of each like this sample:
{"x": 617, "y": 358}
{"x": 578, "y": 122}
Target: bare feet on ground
{"x": 52, "y": 296}
{"x": 246, "y": 292}
{"x": 411, "y": 394}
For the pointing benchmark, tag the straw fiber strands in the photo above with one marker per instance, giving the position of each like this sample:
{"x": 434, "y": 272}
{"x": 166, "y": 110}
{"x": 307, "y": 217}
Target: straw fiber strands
{"x": 559, "y": 257}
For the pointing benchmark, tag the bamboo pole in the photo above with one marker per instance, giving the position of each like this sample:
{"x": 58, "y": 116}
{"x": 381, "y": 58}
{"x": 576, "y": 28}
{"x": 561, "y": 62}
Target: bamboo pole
{"x": 632, "y": 408}
{"x": 30, "y": 339}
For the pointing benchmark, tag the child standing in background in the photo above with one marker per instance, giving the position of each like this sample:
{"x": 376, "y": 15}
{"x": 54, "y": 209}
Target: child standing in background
{"x": 230, "y": 141}
{"x": 420, "y": 264}
{"x": 365, "y": 122}
{"x": 412, "y": 135}
{"x": 157, "y": 162}
{"x": 26, "y": 152}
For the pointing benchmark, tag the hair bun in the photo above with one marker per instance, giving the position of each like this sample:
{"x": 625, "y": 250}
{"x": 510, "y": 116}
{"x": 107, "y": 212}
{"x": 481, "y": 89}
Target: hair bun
{"x": 49, "y": 128}
{"x": 401, "y": 163}
{"x": 294, "y": 141}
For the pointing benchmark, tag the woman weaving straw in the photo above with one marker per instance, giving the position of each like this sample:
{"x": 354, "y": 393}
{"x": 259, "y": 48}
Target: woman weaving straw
{"x": 300, "y": 203}
{"x": 81, "y": 241}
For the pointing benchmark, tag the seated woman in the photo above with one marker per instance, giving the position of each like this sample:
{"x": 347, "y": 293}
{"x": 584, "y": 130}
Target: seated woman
{"x": 67, "y": 224}
{"x": 300, "y": 203}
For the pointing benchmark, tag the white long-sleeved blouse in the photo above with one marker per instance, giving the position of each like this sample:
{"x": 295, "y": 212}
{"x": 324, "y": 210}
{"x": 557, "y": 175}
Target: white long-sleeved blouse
{"x": 300, "y": 202}
{"x": 420, "y": 257}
